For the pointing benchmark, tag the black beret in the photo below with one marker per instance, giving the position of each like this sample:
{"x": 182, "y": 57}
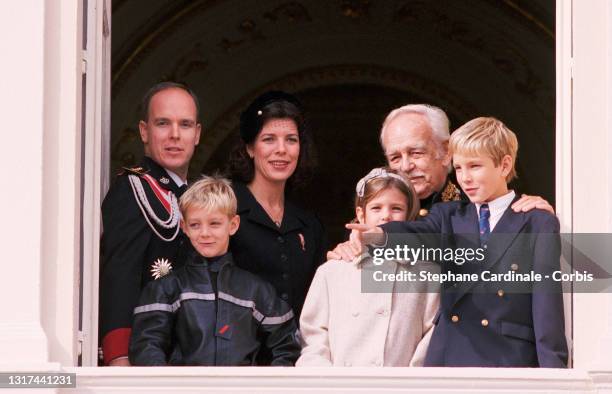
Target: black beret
{"x": 251, "y": 118}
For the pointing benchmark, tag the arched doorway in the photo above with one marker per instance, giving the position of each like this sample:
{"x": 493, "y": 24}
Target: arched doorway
{"x": 350, "y": 62}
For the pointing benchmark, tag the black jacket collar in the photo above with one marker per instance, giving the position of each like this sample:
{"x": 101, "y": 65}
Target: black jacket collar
{"x": 293, "y": 218}
{"x": 449, "y": 192}
{"x": 196, "y": 259}
{"x": 161, "y": 175}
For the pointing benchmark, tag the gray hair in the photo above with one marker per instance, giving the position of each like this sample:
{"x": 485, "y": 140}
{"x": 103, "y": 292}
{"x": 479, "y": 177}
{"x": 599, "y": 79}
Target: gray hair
{"x": 437, "y": 119}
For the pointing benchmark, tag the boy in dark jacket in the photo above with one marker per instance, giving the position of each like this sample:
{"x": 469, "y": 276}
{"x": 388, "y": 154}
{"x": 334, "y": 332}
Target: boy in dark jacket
{"x": 210, "y": 312}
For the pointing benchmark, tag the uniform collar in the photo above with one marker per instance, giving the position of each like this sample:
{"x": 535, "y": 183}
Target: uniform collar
{"x": 177, "y": 179}
{"x": 449, "y": 192}
{"x": 293, "y": 218}
{"x": 215, "y": 264}
{"x": 161, "y": 175}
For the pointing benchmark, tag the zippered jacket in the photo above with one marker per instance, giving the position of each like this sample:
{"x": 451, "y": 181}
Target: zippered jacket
{"x": 189, "y": 318}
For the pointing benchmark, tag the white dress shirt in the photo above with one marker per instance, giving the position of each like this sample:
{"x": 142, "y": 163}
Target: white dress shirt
{"x": 497, "y": 208}
{"x": 177, "y": 179}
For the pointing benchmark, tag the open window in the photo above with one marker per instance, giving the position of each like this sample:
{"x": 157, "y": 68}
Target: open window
{"x": 351, "y": 61}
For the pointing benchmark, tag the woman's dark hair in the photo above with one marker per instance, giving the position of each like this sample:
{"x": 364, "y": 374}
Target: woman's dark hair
{"x": 240, "y": 166}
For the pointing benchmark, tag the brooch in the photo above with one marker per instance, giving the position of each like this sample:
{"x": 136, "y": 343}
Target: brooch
{"x": 161, "y": 267}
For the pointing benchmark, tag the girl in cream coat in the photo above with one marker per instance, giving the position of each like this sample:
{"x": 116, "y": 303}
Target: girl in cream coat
{"x": 341, "y": 324}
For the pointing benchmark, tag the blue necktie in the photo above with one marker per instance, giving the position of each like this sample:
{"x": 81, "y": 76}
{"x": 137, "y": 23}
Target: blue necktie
{"x": 483, "y": 223}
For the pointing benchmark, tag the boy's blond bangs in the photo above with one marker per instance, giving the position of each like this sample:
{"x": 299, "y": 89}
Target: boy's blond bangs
{"x": 486, "y": 135}
{"x": 211, "y": 193}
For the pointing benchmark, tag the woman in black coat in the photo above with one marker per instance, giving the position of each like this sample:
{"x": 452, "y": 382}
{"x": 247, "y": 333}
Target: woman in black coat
{"x": 277, "y": 240}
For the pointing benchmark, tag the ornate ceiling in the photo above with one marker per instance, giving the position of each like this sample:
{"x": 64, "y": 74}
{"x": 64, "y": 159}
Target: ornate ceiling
{"x": 487, "y": 57}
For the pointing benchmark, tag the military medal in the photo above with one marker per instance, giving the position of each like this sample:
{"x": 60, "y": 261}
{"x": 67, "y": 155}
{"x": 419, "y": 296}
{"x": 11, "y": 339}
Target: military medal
{"x": 160, "y": 268}
{"x": 164, "y": 180}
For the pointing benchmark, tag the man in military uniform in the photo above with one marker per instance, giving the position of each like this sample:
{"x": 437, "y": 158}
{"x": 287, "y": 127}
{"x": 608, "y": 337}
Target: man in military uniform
{"x": 414, "y": 139}
{"x": 140, "y": 216}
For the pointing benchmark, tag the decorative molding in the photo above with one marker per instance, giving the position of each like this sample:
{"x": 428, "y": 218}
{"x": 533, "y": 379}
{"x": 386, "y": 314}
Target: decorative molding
{"x": 193, "y": 61}
{"x": 179, "y": 16}
{"x": 355, "y": 9}
{"x": 503, "y": 53}
{"x": 527, "y": 17}
{"x": 249, "y": 31}
{"x": 165, "y": 25}
{"x": 292, "y": 11}
{"x": 227, "y": 124}
{"x": 127, "y": 147}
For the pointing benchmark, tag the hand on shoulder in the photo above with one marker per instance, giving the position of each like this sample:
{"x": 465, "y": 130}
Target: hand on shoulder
{"x": 527, "y": 203}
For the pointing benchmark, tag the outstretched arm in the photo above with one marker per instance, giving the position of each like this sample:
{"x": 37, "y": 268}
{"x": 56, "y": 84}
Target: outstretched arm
{"x": 375, "y": 235}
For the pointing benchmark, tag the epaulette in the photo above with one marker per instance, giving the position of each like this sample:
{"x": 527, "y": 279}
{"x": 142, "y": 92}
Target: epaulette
{"x": 132, "y": 170}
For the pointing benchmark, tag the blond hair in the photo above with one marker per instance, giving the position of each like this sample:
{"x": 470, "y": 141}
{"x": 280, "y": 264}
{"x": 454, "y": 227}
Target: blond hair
{"x": 211, "y": 193}
{"x": 375, "y": 186}
{"x": 486, "y": 136}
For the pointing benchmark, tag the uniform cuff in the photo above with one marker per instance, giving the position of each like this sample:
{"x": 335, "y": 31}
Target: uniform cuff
{"x": 115, "y": 344}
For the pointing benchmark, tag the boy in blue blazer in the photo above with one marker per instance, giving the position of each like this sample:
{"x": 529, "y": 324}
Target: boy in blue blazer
{"x": 482, "y": 323}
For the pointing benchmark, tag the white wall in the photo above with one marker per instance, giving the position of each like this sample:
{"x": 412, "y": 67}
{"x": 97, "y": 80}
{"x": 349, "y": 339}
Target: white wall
{"x": 40, "y": 109}
{"x": 61, "y": 178}
{"x": 22, "y": 45}
{"x": 591, "y": 133}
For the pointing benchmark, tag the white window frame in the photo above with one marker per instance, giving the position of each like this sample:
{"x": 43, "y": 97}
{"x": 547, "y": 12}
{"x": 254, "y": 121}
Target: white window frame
{"x": 97, "y": 67}
{"x": 576, "y": 24}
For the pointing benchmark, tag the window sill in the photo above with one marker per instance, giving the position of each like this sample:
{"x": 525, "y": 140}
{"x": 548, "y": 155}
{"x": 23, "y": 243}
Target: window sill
{"x": 267, "y": 379}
